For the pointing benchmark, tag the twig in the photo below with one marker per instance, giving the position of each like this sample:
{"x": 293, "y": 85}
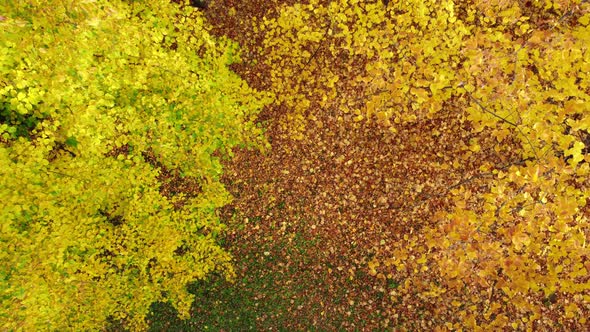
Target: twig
{"x": 63, "y": 174}
{"x": 508, "y": 122}
{"x": 319, "y": 46}
{"x": 497, "y": 213}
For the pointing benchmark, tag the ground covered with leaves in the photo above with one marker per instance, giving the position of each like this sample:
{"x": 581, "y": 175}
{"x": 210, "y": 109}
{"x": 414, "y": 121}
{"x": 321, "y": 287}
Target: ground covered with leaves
{"x": 332, "y": 228}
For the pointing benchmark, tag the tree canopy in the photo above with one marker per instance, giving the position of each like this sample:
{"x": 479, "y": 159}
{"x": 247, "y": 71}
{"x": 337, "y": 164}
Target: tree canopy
{"x": 98, "y": 100}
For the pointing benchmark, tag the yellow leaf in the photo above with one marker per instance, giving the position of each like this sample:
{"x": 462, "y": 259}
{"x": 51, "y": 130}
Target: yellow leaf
{"x": 584, "y": 20}
{"x": 381, "y": 116}
{"x": 576, "y": 153}
{"x": 474, "y": 146}
{"x": 571, "y": 310}
{"x": 422, "y": 259}
{"x": 373, "y": 265}
{"x": 520, "y": 240}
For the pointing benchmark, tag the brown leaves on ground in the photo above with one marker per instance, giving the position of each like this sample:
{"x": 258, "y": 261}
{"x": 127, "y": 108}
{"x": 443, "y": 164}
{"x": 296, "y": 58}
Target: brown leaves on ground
{"x": 315, "y": 212}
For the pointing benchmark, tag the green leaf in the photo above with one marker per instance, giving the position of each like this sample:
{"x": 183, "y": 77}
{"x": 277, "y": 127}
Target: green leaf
{"x": 71, "y": 141}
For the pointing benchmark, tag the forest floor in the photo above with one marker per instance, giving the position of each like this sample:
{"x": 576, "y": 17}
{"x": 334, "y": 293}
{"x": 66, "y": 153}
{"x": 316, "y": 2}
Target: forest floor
{"x": 309, "y": 215}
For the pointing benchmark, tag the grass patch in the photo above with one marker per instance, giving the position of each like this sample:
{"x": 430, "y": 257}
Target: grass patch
{"x": 260, "y": 298}
{"x": 219, "y": 306}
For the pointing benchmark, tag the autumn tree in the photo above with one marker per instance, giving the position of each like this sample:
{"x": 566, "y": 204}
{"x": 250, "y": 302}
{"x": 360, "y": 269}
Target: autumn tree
{"x": 100, "y": 102}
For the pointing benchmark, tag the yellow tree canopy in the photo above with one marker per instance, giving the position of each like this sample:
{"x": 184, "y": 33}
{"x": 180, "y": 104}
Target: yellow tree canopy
{"x": 97, "y": 100}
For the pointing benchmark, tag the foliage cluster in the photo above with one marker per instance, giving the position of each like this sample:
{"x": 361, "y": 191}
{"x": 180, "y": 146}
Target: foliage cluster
{"x": 516, "y": 71}
{"x": 99, "y": 99}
